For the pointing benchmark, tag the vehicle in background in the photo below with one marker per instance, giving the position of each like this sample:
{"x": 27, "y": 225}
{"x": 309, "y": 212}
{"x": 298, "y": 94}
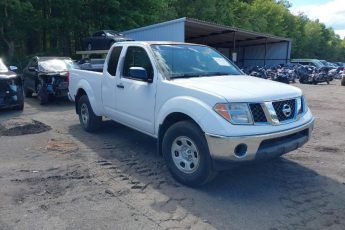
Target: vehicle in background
{"x": 340, "y": 64}
{"x": 11, "y": 88}
{"x": 309, "y": 74}
{"x": 204, "y": 112}
{"x": 47, "y": 77}
{"x": 314, "y": 62}
{"x": 93, "y": 64}
{"x": 329, "y": 64}
{"x": 103, "y": 40}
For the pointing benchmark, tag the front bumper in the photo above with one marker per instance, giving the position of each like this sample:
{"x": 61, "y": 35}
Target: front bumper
{"x": 264, "y": 146}
{"x": 10, "y": 96}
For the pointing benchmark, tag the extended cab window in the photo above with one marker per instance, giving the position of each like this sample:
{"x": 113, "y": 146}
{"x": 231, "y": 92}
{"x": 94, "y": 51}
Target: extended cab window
{"x": 137, "y": 57}
{"x": 114, "y": 59}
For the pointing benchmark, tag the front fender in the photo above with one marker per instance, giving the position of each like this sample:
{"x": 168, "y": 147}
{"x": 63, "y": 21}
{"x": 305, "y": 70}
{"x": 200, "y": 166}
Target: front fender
{"x": 208, "y": 120}
{"x": 85, "y": 85}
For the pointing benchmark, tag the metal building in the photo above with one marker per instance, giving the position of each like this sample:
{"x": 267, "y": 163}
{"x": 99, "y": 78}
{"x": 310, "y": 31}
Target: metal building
{"x": 246, "y": 48}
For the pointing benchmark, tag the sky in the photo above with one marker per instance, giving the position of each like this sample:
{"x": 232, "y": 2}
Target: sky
{"x": 329, "y": 12}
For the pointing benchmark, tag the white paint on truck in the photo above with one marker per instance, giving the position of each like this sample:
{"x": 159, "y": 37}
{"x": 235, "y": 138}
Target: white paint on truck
{"x": 157, "y": 87}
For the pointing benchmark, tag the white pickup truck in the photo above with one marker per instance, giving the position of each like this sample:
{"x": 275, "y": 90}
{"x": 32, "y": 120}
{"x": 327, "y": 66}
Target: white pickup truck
{"x": 204, "y": 112}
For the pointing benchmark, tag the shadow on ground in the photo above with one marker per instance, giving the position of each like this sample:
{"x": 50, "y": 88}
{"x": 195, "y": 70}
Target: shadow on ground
{"x": 278, "y": 194}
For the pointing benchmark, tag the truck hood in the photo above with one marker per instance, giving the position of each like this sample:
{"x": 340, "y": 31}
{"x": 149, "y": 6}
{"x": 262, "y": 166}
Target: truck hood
{"x": 240, "y": 88}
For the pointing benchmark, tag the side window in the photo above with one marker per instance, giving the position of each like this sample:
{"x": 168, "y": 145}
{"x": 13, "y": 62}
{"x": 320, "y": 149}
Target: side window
{"x": 137, "y": 57}
{"x": 113, "y": 60}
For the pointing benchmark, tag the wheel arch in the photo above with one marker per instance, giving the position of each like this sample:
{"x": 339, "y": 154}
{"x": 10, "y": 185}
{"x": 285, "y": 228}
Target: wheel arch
{"x": 84, "y": 86}
{"x": 169, "y": 120}
{"x": 79, "y": 94}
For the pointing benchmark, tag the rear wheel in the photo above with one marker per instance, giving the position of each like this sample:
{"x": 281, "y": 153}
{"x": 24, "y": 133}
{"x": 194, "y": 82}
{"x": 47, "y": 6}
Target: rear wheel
{"x": 343, "y": 81}
{"x": 186, "y": 153}
{"x": 88, "y": 119}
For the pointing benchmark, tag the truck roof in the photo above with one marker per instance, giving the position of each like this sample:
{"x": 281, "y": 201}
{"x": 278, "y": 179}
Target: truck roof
{"x": 157, "y": 43}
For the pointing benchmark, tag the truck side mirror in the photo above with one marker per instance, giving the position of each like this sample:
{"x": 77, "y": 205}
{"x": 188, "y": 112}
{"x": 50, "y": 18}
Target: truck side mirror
{"x": 139, "y": 73}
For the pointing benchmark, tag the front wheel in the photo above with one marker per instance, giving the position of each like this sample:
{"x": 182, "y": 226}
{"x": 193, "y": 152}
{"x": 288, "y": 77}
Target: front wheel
{"x": 186, "y": 154}
{"x": 88, "y": 119}
{"x": 20, "y": 98}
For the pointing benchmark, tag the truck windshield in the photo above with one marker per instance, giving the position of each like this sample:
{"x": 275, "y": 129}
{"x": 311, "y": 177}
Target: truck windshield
{"x": 185, "y": 61}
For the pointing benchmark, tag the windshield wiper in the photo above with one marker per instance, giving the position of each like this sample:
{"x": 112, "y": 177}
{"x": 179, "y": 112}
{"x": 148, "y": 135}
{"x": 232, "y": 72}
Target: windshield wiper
{"x": 186, "y": 75}
{"x": 216, "y": 74}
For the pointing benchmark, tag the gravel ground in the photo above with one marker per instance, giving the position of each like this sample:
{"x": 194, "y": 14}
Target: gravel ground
{"x": 64, "y": 178}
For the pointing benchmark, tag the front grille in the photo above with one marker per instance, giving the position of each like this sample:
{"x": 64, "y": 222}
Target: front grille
{"x": 257, "y": 112}
{"x": 280, "y": 106}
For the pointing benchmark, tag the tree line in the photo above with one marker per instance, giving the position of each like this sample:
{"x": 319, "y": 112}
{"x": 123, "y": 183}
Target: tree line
{"x": 54, "y": 27}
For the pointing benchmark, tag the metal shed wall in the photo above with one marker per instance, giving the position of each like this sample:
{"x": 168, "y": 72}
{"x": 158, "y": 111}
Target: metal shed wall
{"x": 166, "y": 31}
{"x": 252, "y": 48}
{"x": 276, "y": 53}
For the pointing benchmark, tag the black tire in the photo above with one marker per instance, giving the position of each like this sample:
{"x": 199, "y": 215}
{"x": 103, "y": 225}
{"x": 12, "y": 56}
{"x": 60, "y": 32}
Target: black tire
{"x": 42, "y": 94}
{"x": 20, "y": 97}
{"x": 19, "y": 107}
{"x": 88, "y": 119}
{"x": 343, "y": 81}
{"x": 199, "y": 174}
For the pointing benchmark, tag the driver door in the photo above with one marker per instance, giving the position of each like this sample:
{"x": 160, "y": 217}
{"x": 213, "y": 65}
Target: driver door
{"x": 136, "y": 97}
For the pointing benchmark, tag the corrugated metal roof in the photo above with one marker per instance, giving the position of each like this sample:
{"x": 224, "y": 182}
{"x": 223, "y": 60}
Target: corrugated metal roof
{"x": 197, "y": 30}
{"x": 193, "y": 21}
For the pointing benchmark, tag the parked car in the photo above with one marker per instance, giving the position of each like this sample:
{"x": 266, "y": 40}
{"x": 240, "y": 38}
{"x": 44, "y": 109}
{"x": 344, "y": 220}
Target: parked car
{"x": 47, "y": 77}
{"x": 205, "y": 114}
{"x": 313, "y": 62}
{"x": 340, "y": 64}
{"x": 11, "y": 88}
{"x": 93, "y": 64}
{"x": 103, "y": 40}
{"x": 329, "y": 64}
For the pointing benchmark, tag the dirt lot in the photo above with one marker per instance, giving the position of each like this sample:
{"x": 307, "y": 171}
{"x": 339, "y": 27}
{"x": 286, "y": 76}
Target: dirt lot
{"x": 64, "y": 178}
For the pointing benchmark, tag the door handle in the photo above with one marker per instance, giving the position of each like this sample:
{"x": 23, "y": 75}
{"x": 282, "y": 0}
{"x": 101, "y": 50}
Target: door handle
{"x": 120, "y": 86}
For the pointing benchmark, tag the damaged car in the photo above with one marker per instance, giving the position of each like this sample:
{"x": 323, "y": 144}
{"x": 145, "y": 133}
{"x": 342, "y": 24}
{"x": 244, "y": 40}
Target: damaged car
{"x": 47, "y": 77}
{"x": 11, "y": 90}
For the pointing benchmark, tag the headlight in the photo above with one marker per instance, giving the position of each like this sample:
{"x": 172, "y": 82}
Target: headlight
{"x": 302, "y": 106}
{"x": 236, "y": 113}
